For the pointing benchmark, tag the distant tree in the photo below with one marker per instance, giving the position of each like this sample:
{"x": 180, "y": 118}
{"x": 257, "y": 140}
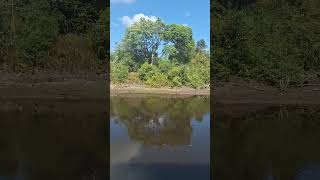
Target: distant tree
{"x": 142, "y": 40}
{"x": 201, "y": 45}
{"x": 75, "y": 16}
{"x": 180, "y": 37}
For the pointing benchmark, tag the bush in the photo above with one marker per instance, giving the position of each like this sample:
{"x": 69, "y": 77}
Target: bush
{"x": 73, "y": 53}
{"x": 164, "y": 66}
{"x": 177, "y": 75}
{"x": 176, "y": 82}
{"x": 195, "y": 77}
{"x": 133, "y": 78}
{"x": 220, "y": 72}
{"x": 119, "y": 72}
{"x": 146, "y": 71}
{"x": 158, "y": 80}
{"x": 36, "y": 34}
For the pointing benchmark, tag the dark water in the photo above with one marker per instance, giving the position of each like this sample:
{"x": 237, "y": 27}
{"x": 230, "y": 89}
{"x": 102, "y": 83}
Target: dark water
{"x": 151, "y": 138}
{"x": 277, "y": 143}
{"x": 155, "y": 138}
{"x": 53, "y": 140}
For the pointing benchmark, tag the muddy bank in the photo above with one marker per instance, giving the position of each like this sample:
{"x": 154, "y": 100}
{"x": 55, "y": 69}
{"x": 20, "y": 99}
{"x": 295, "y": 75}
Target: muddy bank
{"x": 94, "y": 86}
{"x": 53, "y": 86}
{"x": 261, "y": 94}
{"x": 135, "y": 90}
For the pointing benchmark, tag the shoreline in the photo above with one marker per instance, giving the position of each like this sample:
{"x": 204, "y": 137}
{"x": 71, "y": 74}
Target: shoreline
{"x": 261, "y": 94}
{"x": 75, "y": 87}
{"x": 142, "y": 90}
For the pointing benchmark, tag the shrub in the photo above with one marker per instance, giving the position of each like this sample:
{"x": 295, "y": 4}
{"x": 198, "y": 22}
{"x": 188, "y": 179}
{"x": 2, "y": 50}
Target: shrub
{"x": 36, "y": 33}
{"x": 176, "y": 82}
{"x": 158, "y": 80}
{"x": 133, "y": 78}
{"x": 72, "y": 53}
{"x": 195, "y": 78}
{"x": 146, "y": 71}
{"x": 220, "y": 72}
{"x": 177, "y": 75}
{"x": 164, "y": 66}
{"x": 119, "y": 72}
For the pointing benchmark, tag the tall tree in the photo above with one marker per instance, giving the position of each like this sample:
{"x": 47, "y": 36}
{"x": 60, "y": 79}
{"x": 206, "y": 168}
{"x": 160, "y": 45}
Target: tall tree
{"x": 180, "y": 37}
{"x": 142, "y": 40}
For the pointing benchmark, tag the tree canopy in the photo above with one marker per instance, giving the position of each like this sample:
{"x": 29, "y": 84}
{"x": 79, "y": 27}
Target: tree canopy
{"x": 31, "y": 32}
{"x": 159, "y": 54}
{"x": 266, "y": 40}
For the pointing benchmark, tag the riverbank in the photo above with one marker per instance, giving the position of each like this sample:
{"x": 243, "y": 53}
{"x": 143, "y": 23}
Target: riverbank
{"x": 93, "y": 86}
{"x": 53, "y": 86}
{"x": 122, "y": 90}
{"x": 241, "y": 92}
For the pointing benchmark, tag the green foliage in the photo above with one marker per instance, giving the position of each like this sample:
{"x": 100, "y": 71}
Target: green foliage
{"x": 178, "y": 71}
{"x": 72, "y": 53}
{"x": 194, "y": 77}
{"x": 157, "y": 80}
{"x": 31, "y": 32}
{"x": 220, "y": 72}
{"x": 119, "y": 72}
{"x": 269, "y": 40}
{"x": 181, "y": 38}
{"x": 126, "y": 58}
{"x": 133, "y": 78}
{"x": 177, "y": 81}
{"x": 139, "y": 47}
{"x": 146, "y": 71}
{"x": 169, "y": 51}
{"x": 164, "y": 66}
{"x": 75, "y": 16}
{"x": 201, "y": 45}
{"x": 99, "y": 34}
{"x": 35, "y": 36}
{"x": 142, "y": 40}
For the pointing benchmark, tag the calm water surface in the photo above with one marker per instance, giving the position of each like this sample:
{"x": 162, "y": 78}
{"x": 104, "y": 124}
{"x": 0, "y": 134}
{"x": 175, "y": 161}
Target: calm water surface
{"x": 276, "y": 143}
{"x": 157, "y": 138}
{"x": 151, "y": 138}
{"x": 160, "y": 138}
{"x": 53, "y": 140}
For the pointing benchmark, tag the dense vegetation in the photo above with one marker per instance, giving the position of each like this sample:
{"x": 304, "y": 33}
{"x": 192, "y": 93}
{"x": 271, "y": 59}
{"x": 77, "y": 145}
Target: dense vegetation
{"x": 59, "y": 35}
{"x": 160, "y": 55}
{"x": 271, "y": 41}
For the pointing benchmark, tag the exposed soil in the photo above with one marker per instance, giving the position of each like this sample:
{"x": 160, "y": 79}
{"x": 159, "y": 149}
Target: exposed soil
{"x": 241, "y": 92}
{"x": 93, "y": 86}
{"x": 53, "y": 86}
{"x": 136, "y": 90}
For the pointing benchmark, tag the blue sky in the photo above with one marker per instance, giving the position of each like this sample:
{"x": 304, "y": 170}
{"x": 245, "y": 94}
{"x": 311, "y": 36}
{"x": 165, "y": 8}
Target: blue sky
{"x": 194, "y": 13}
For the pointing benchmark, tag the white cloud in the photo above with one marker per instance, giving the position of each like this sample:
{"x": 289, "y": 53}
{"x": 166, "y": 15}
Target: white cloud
{"x": 128, "y": 21}
{"x": 185, "y": 24}
{"x": 123, "y": 1}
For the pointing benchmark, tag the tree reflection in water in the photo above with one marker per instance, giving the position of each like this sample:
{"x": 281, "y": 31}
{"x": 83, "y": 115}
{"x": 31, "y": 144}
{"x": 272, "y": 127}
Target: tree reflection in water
{"x": 156, "y": 121}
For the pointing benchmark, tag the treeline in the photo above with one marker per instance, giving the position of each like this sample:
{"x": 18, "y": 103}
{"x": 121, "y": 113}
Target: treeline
{"x": 58, "y": 35}
{"x": 156, "y": 54}
{"x": 272, "y": 41}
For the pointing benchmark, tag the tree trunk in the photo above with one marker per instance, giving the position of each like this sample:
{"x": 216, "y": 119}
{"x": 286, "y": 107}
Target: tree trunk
{"x": 152, "y": 62}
